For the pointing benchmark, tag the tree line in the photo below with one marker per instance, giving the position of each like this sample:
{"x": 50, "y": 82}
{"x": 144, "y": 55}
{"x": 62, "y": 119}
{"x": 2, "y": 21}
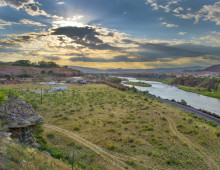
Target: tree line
{"x": 205, "y": 82}
{"x": 40, "y": 64}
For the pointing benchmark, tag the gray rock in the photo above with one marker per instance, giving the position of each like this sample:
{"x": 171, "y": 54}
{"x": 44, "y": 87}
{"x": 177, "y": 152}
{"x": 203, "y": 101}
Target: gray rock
{"x": 20, "y": 120}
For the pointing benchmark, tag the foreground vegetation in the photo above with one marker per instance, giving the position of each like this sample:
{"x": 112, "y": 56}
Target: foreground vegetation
{"x": 142, "y": 132}
{"x": 20, "y": 157}
{"x": 142, "y": 84}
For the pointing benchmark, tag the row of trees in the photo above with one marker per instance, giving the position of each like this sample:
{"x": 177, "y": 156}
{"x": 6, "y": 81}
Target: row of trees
{"x": 208, "y": 83}
{"x": 41, "y": 64}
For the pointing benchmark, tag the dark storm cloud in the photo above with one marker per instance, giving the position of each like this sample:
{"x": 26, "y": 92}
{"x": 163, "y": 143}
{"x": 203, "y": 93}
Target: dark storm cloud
{"x": 86, "y": 36}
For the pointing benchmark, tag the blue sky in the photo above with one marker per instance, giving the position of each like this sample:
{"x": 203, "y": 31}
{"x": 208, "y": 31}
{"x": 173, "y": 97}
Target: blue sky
{"x": 111, "y": 33}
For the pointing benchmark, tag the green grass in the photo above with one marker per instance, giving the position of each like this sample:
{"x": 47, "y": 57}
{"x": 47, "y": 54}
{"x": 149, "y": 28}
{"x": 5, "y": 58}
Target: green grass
{"x": 125, "y": 123}
{"x": 203, "y": 91}
{"x": 142, "y": 84}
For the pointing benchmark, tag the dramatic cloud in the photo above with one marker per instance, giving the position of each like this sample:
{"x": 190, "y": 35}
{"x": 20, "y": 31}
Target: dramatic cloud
{"x": 27, "y": 5}
{"x": 112, "y": 34}
{"x": 207, "y": 13}
{"x": 85, "y": 36}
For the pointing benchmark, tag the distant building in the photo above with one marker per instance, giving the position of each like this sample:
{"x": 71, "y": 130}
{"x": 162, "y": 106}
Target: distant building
{"x": 75, "y": 80}
{"x": 58, "y": 89}
{"x": 52, "y": 83}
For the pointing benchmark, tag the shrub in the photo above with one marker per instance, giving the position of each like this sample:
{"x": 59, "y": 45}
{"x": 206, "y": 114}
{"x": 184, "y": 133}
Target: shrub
{"x": 179, "y": 126}
{"x": 72, "y": 143}
{"x": 217, "y": 134}
{"x": 76, "y": 128}
{"x": 111, "y": 147}
{"x": 172, "y": 161}
{"x": 131, "y": 163}
{"x": 50, "y": 136}
{"x": 147, "y": 128}
{"x": 163, "y": 118}
{"x": 183, "y": 102}
{"x": 110, "y": 130}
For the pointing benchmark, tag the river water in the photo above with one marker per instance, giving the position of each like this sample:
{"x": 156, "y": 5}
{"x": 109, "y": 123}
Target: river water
{"x": 165, "y": 91}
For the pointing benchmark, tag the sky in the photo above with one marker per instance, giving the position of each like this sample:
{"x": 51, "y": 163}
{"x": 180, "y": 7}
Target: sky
{"x": 111, "y": 34}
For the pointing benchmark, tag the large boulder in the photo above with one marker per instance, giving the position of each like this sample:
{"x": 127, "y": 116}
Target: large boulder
{"x": 20, "y": 119}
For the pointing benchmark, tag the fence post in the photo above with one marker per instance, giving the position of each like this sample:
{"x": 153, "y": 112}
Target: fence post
{"x": 41, "y": 96}
{"x": 72, "y": 160}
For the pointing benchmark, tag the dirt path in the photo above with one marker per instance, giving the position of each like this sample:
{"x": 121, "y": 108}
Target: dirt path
{"x": 207, "y": 159}
{"x": 114, "y": 160}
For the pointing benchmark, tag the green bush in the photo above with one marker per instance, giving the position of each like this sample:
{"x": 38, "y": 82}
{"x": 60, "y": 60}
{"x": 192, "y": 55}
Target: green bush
{"x": 76, "y": 128}
{"x": 172, "y": 161}
{"x": 50, "y": 136}
{"x": 217, "y": 134}
{"x": 183, "y": 102}
{"x": 111, "y": 147}
{"x": 131, "y": 163}
{"x": 110, "y": 130}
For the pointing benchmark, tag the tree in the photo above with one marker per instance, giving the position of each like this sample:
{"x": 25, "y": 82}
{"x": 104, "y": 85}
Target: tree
{"x": 22, "y": 63}
{"x": 183, "y": 102}
{"x": 43, "y": 72}
{"x": 49, "y": 64}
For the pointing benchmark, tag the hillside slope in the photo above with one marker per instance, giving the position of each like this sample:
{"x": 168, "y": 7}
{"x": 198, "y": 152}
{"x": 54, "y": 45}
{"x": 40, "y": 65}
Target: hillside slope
{"x": 214, "y": 68}
{"x": 20, "y": 157}
{"x": 8, "y": 69}
{"x": 139, "y": 131}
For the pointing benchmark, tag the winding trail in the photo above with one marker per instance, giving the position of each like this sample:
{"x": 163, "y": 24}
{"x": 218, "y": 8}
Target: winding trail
{"x": 196, "y": 148}
{"x": 113, "y": 159}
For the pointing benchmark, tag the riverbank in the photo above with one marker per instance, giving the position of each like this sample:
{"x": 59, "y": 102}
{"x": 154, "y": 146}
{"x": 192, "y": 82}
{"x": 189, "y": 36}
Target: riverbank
{"x": 209, "y": 117}
{"x": 203, "y": 91}
{"x": 142, "y": 84}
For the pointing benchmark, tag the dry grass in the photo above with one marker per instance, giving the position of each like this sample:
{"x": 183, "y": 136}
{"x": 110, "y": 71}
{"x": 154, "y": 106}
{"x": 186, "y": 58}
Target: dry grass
{"x": 127, "y": 124}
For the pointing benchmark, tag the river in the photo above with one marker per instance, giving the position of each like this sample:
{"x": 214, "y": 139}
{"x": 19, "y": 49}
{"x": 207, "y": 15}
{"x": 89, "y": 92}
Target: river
{"x": 165, "y": 91}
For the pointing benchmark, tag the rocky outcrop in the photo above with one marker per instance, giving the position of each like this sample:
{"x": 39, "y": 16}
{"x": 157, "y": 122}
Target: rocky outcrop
{"x": 20, "y": 120}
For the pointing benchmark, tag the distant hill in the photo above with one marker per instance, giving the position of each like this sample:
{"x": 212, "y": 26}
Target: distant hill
{"x": 8, "y": 69}
{"x": 94, "y": 70}
{"x": 214, "y": 68}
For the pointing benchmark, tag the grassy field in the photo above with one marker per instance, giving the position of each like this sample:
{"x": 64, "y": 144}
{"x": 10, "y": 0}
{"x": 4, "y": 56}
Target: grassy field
{"x": 142, "y": 132}
{"x": 200, "y": 90}
{"x": 142, "y": 84}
